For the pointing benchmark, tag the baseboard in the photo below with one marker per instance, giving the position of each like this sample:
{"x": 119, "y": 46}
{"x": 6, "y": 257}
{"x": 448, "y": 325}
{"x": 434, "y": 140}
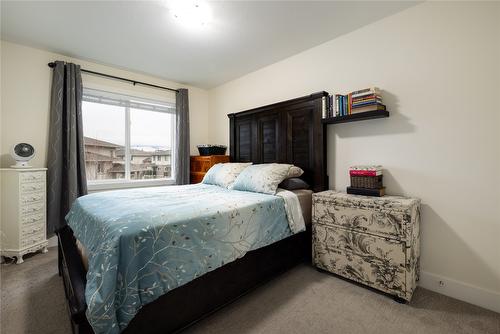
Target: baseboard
{"x": 460, "y": 290}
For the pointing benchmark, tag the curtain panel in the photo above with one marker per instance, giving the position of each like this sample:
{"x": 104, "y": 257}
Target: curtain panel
{"x": 66, "y": 178}
{"x": 182, "y": 136}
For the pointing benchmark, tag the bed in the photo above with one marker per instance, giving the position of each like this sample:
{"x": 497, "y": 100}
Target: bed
{"x": 287, "y": 132}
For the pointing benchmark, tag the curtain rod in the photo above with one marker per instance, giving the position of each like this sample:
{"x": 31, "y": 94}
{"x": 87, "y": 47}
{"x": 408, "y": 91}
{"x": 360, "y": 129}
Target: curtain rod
{"x": 134, "y": 82}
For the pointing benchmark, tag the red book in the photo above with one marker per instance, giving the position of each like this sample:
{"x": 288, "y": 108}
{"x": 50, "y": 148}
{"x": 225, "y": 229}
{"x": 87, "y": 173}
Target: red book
{"x": 365, "y": 172}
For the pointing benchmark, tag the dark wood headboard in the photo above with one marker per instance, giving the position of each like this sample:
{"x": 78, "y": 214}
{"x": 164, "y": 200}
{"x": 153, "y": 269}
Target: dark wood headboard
{"x": 285, "y": 132}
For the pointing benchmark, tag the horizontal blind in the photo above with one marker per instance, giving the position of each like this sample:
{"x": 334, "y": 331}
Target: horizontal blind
{"x": 98, "y": 96}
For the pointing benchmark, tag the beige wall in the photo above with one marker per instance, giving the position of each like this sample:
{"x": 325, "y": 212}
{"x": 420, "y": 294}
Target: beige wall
{"x": 25, "y": 97}
{"x": 438, "y": 66}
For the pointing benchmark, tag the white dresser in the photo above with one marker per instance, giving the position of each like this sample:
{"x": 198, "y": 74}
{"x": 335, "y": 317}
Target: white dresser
{"x": 23, "y": 225}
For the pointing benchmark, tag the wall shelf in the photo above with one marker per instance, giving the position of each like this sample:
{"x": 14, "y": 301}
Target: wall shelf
{"x": 356, "y": 117}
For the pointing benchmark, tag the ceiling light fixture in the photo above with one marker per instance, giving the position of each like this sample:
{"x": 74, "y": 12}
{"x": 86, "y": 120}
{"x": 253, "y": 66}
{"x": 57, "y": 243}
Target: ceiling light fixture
{"x": 191, "y": 13}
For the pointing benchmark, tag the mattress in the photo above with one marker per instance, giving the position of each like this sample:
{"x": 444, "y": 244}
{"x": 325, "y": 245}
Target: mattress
{"x": 305, "y": 200}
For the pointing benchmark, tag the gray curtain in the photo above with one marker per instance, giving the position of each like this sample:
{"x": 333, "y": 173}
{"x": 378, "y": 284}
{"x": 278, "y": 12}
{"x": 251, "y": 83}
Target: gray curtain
{"x": 182, "y": 137}
{"x": 66, "y": 178}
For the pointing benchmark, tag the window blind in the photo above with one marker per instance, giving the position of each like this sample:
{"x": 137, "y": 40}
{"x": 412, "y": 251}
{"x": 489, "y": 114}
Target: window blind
{"x": 98, "y": 96}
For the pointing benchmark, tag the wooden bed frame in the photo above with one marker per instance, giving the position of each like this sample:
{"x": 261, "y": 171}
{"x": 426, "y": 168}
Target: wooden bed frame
{"x": 287, "y": 132}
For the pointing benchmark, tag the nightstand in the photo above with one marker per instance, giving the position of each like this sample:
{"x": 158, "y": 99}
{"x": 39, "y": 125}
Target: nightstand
{"x": 200, "y": 164}
{"x": 371, "y": 240}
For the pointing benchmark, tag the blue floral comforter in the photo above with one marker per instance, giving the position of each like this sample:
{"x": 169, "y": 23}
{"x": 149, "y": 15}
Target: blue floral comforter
{"x": 141, "y": 243}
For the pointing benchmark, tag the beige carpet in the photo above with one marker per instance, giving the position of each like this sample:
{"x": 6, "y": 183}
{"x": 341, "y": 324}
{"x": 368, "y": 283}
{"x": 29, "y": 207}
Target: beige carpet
{"x": 300, "y": 301}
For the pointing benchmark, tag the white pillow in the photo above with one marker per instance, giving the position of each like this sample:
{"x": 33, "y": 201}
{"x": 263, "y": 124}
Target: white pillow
{"x": 224, "y": 174}
{"x": 294, "y": 171}
{"x": 263, "y": 178}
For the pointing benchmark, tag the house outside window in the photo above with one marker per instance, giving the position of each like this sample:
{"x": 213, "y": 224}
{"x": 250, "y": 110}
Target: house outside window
{"x": 128, "y": 141}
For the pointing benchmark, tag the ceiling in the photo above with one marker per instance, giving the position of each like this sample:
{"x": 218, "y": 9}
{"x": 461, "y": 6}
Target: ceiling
{"x": 144, "y": 36}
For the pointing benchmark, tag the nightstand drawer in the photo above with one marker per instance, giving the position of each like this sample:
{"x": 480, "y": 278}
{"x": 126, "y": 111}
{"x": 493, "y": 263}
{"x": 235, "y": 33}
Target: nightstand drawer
{"x": 326, "y": 239}
{"x": 385, "y": 217}
{"x": 373, "y": 272}
{"x": 378, "y": 223}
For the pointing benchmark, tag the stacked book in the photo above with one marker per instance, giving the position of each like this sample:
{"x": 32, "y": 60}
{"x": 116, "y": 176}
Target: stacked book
{"x": 364, "y": 100}
{"x": 366, "y": 180}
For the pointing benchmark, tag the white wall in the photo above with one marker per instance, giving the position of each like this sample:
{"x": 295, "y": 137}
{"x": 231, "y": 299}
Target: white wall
{"x": 25, "y": 97}
{"x": 438, "y": 66}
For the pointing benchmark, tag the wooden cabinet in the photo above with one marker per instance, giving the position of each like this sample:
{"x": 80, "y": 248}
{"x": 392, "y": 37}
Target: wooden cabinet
{"x": 23, "y": 228}
{"x": 371, "y": 240}
{"x": 200, "y": 164}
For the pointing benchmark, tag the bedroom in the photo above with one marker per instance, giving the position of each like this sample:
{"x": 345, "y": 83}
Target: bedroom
{"x": 134, "y": 87}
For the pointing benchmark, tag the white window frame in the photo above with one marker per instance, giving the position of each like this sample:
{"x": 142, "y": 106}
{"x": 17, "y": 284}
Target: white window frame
{"x": 127, "y": 102}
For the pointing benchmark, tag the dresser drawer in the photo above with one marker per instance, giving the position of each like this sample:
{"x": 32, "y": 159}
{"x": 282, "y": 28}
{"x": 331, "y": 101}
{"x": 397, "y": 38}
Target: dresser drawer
{"x": 36, "y": 186}
{"x": 201, "y": 164}
{"x": 30, "y": 219}
{"x": 33, "y": 239}
{"x": 30, "y": 177}
{"x": 32, "y": 208}
{"x": 328, "y": 239}
{"x": 369, "y": 217}
{"x": 373, "y": 272}
{"x": 32, "y": 230}
{"x": 196, "y": 177}
{"x": 32, "y": 198}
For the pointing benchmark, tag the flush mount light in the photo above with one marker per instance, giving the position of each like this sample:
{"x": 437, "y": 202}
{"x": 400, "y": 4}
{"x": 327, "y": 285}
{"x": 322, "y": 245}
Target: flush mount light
{"x": 194, "y": 13}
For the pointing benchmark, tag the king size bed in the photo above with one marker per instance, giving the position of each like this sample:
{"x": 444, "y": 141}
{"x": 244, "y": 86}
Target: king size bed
{"x": 155, "y": 260}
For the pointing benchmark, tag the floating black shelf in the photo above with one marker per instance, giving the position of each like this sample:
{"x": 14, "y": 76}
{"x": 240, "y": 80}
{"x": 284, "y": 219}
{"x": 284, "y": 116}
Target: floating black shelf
{"x": 356, "y": 117}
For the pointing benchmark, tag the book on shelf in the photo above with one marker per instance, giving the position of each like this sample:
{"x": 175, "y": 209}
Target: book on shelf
{"x": 366, "y": 98}
{"x": 366, "y": 103}
{"x": 337, "y": 105}
{"x": 366, "y": 91}
{"x": 363, "y": 100}
{"x": 375, "y": 107}
{"x": 366, "y": 191}
{"x": 324, "y": 108}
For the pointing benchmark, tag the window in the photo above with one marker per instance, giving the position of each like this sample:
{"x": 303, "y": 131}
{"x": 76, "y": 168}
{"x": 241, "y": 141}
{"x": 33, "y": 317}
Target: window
{"x": 128, "y": 140}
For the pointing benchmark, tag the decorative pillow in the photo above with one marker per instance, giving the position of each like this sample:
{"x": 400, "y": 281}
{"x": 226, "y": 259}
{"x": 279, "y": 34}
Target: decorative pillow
{"x": 263, "y": 178}
{"x": 293, "y": 183}
{"x": 295, "y": 172}
{"x": 224, "y": 174}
